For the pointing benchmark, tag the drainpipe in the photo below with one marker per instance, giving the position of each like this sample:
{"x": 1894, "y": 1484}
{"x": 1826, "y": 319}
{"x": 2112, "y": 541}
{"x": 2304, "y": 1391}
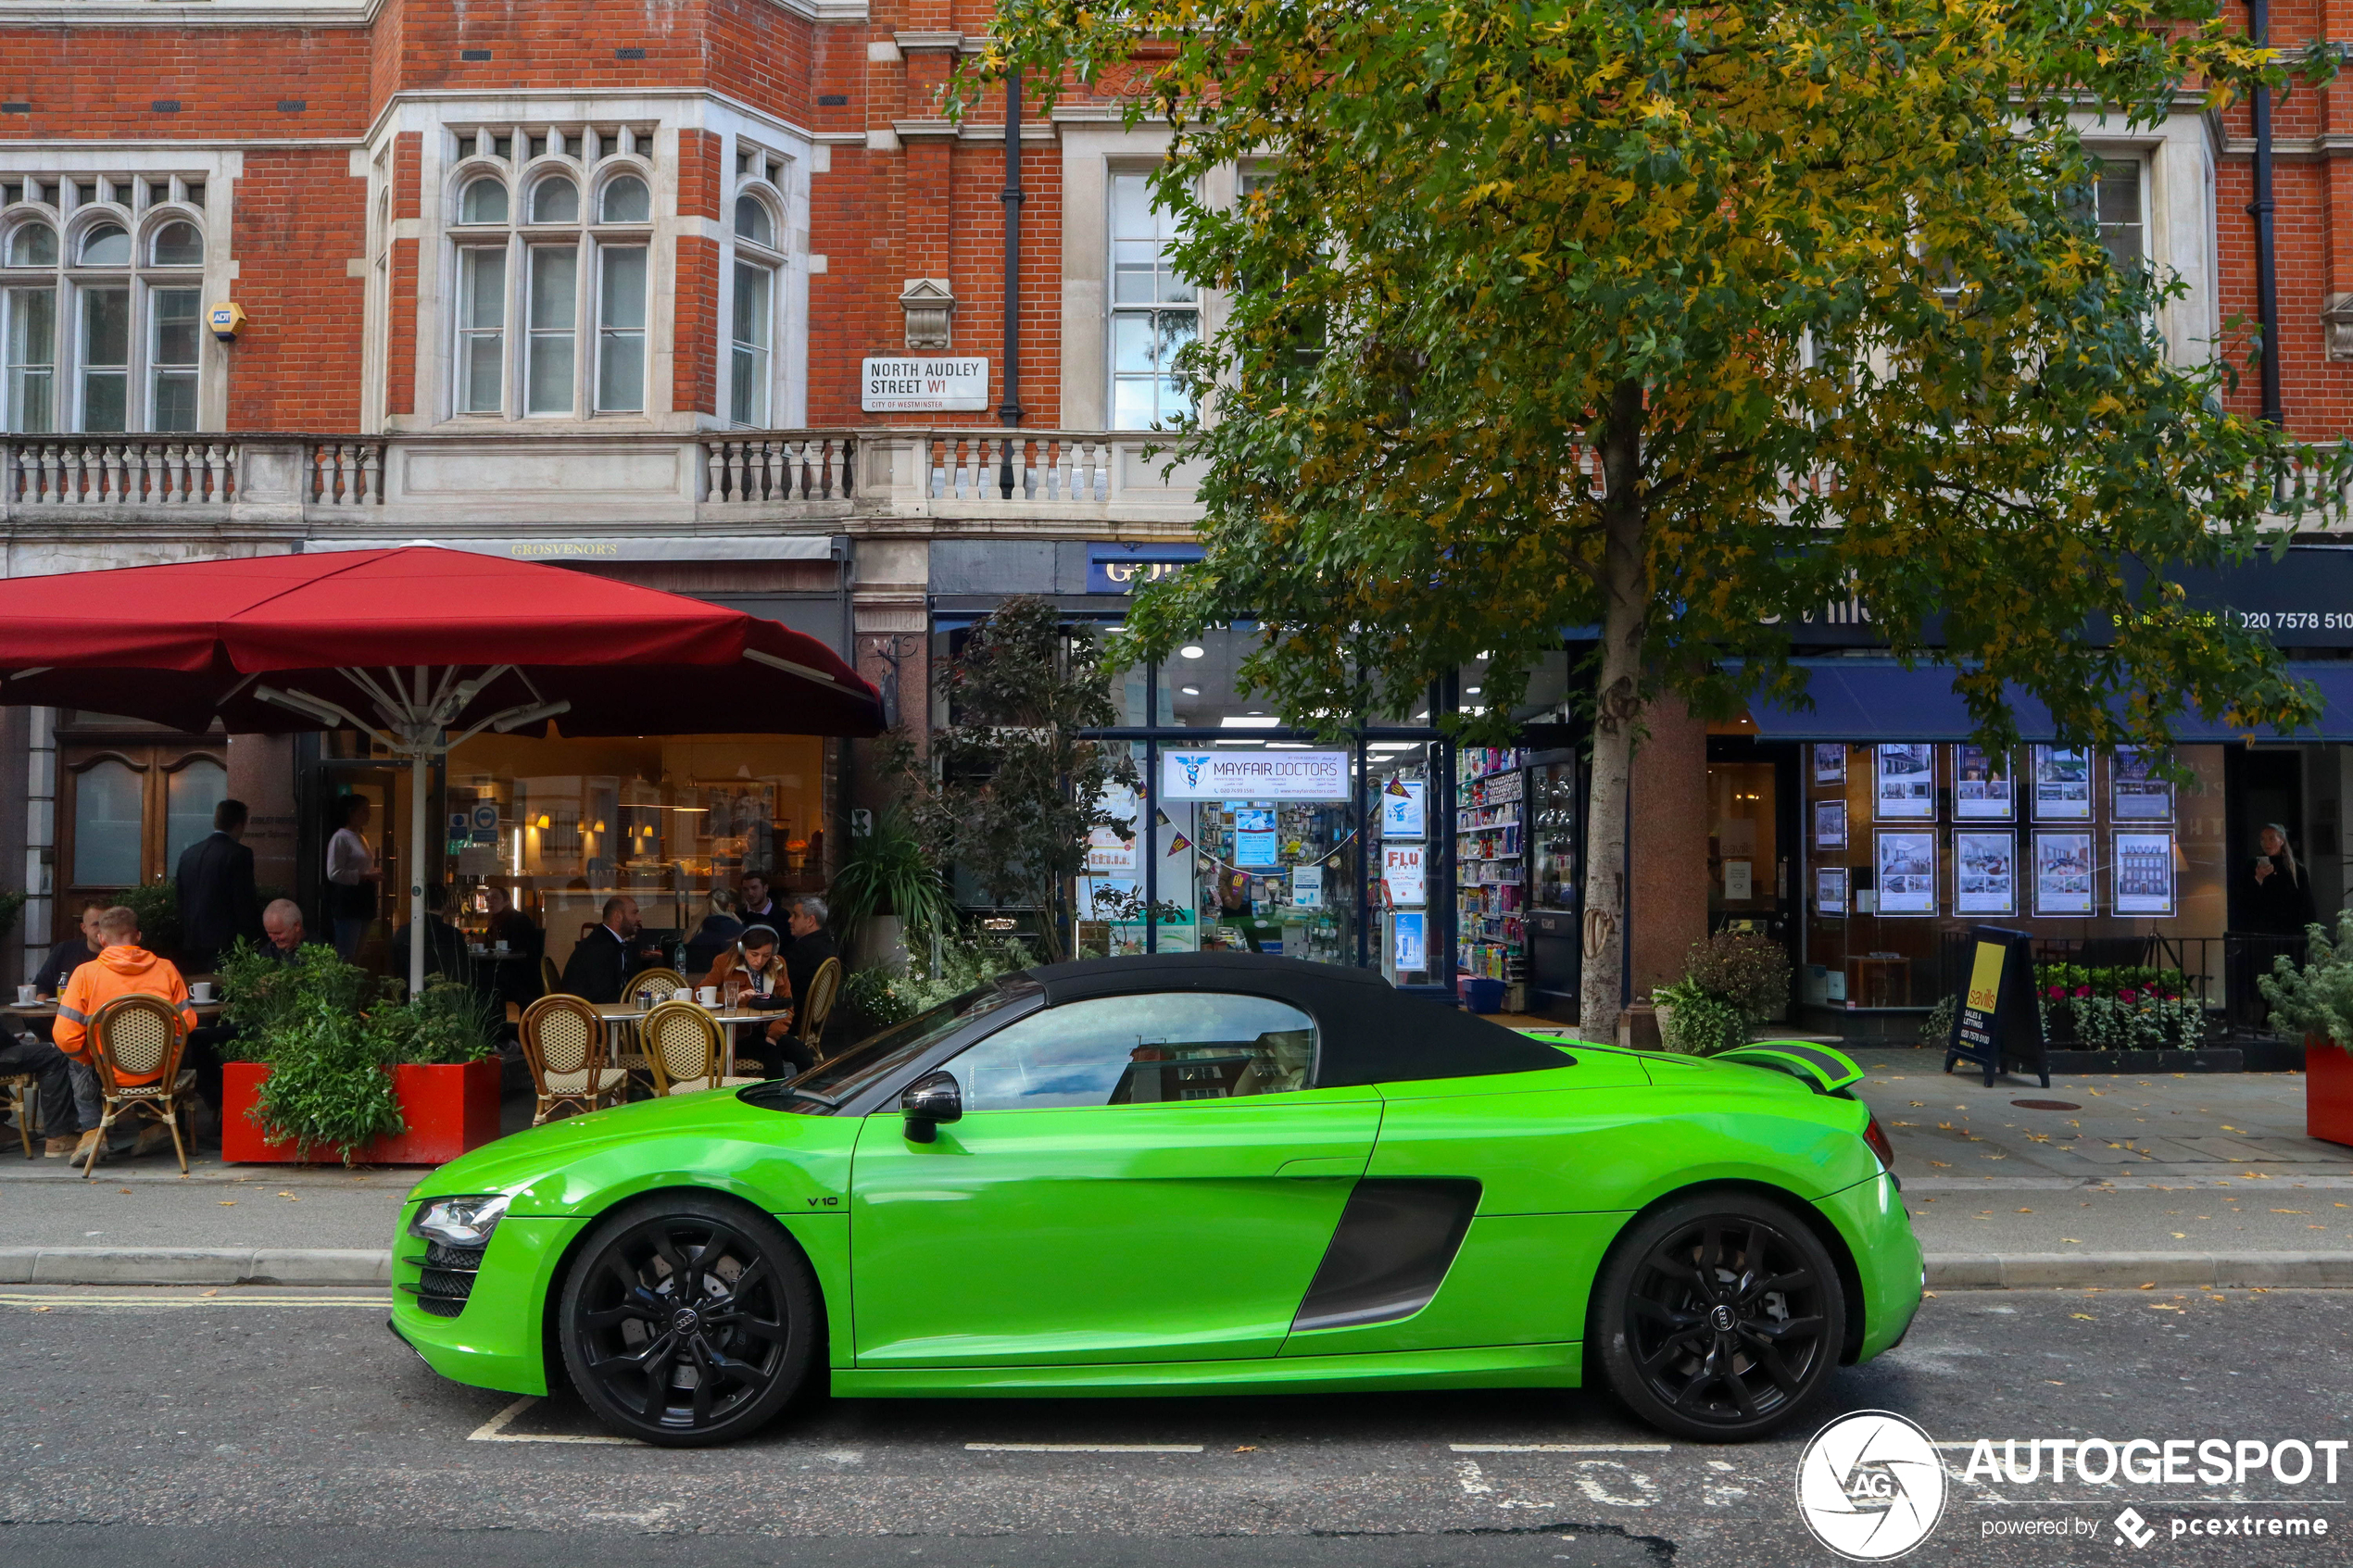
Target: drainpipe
{"x": 2267, "y": 296}
{"x": 1009, "y": 412}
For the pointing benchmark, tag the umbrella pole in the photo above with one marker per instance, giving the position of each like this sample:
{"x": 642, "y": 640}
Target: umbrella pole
{"x": 419, "y": 777}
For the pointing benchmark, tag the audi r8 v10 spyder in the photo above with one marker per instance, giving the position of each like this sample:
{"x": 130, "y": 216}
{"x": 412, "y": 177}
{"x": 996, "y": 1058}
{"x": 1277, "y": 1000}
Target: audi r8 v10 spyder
{"x": 1184, "y": 1173}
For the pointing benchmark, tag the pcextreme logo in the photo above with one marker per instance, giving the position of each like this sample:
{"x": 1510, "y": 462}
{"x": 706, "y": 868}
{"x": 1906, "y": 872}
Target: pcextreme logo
{"x": 1870, "y": 1485}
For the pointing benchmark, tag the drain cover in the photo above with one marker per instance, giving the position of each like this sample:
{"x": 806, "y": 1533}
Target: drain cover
{"x": 2047, "y": 1105}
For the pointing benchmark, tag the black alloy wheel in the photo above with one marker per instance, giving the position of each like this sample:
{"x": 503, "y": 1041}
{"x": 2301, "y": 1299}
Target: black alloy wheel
{"x": 688, "y": 1319}
{"x": 1719, "y": 1317}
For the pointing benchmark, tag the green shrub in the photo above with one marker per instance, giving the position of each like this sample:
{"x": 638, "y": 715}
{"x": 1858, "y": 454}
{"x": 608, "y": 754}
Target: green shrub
{"x": 1748, "y": 972}
{"x": 888, "y": 995}
{"x": 2317, "y": 998}
{"x": 329, "y": 1084}
{"x": 1698, "y": 1023}
{"x": 445, "y": 1024}
{"x": 1936, "y": 1030}
{"x": 265, "y": 998}
{"x": 157, "y": 906}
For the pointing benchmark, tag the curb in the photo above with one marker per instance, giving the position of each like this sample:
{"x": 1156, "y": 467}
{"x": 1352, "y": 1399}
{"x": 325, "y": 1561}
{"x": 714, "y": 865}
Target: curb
{"x": 2026, "y": 1271}
{"x": 196, "y": 1265}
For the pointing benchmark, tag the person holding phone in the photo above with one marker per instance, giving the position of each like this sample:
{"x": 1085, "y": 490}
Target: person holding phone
{"x": 2280, "y": 901}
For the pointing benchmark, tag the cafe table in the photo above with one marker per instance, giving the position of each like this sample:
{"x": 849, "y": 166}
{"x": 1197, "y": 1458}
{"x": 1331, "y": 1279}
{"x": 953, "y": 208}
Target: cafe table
{"x": 730, "y": 1020}
{"x": 48, "y": 1008}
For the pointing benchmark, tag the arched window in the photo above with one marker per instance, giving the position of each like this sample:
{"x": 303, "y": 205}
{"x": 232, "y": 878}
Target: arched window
{"x": 626, "y": 200}
{"x": 107, "y": 244}
{"x": 108, "y": 816}
{"x": 753, "y": 223}
{"x": 179, "y": 244}
{"x": 485, "y": 201}
{"x": 35, "y": 244}
{"x": 555, "y": 201}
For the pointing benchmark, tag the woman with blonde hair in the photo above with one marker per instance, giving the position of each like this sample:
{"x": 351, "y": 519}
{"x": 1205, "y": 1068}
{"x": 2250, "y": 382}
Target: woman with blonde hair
{"x": 2280, "y": 903}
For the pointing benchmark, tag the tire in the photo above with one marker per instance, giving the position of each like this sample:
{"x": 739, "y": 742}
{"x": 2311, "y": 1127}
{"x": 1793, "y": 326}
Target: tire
{"x": 688, "y": 1319}
{"x": 1719, "y": 1317}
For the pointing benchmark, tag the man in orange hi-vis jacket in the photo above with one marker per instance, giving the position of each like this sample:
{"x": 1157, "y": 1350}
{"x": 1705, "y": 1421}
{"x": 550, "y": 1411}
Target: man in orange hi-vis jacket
{"x": 121, "y": 967}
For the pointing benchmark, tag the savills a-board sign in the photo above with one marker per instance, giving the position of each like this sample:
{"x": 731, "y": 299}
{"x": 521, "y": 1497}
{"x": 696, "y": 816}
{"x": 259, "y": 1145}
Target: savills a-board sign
{"x": 918, "y": 383}
{"x": 1253, "y": 775}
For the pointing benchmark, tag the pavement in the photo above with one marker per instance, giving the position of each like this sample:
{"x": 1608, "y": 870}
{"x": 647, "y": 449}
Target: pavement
{"x": 258, "y": 1426}
{"x": 2182, "y": 1179}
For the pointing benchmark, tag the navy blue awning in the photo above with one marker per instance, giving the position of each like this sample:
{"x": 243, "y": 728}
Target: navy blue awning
{"x": 1876, "y": 699}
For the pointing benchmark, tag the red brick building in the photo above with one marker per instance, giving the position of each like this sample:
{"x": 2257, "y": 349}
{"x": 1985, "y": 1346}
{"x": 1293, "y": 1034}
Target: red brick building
{"x": 596, "y": 283}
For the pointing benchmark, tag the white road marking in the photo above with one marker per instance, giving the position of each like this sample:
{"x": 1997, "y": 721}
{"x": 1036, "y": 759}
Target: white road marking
{"x": 495, "y": 1430}
{"x": 224, "y": 1300}
{"x": 1082, "y": 1448}
{"x": 1563, "y": 1448}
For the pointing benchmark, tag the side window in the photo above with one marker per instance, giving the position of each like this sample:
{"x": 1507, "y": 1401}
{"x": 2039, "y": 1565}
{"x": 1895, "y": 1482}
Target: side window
{"x": 1135, "y": 1050}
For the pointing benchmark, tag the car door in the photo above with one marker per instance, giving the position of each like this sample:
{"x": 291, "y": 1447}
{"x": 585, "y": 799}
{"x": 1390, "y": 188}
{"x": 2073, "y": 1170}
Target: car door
{"x": 1134, "y": 1178}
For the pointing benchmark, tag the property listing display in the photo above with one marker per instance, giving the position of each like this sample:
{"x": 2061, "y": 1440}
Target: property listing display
{"x": 1906, "y": 846}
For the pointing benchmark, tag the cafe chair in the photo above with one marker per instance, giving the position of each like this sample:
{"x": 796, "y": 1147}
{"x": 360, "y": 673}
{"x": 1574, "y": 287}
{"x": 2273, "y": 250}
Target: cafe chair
{"x": 141, "y": 1036}
{"x": 552, "y": 979}
{"x": 20, "y": 1093}
{"x": 563, "y": 1044}
{"x": 663, "y": 980}
{"x": 683, "y": 1048}
{"x": 818, "y": 1006}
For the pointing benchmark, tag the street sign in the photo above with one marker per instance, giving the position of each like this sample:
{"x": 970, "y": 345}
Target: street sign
{"x": 1998, "y": 1027}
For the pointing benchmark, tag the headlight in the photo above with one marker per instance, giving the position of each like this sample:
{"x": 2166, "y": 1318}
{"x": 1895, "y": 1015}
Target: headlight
{"x": 460, "y": 1222}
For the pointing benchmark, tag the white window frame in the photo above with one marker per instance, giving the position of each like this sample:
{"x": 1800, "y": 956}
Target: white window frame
{"x": 1150, "y": 312}
{"x": 758, "y": 173}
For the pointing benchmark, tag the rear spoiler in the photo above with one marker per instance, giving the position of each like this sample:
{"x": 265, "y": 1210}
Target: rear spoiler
{"x": 1820, "y": 1067}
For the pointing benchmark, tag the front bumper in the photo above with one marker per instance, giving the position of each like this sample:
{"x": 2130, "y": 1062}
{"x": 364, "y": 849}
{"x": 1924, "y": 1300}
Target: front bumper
{"x": 498, "y": 1340}
{"x": 1888, "y": 1259}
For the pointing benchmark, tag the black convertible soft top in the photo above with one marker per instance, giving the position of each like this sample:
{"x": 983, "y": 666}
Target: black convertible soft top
{"x": 1368, "y": 1030}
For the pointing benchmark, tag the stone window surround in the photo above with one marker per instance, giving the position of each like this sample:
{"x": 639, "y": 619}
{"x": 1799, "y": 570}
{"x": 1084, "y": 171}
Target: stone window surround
{"x": 777, "y": 200}
{"x": 2178, "y": 159}
{"x": 57, "y": 161}
{"x": 440, "y": 116}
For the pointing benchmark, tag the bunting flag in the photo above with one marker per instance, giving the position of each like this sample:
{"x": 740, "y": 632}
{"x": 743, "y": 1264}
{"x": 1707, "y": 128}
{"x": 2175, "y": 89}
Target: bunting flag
{"x": 1163, "y": 818}
{"x": 1397, "y": 788}
{"x": 1179, "y": 843}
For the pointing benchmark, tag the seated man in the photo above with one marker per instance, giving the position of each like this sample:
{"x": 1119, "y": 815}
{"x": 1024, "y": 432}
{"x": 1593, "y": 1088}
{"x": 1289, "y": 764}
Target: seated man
{"x": 281, "y": 924}
{"x": 444, "y": 944}
{"x": 64, "y": 1097}
{"x": 810, "y": 947}
{"x": 605, "y": 959}
{"x": 122, "y": 968}
{"x": 754, "y": 962}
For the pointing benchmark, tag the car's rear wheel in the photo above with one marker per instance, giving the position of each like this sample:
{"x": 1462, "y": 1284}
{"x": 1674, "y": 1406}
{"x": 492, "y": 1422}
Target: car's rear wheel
{"x": 687, "y": 1320}
{"x": 1719, "y": 1317}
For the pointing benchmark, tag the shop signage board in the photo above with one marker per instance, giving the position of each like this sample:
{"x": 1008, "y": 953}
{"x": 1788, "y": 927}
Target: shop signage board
{"x": 1999, "y": 1028}
{"x": 2062, "y": 784}
{"x": 1307, "y": 886}
{"x": 1405, "y": 809}
{"x": 2144, "y": 874}
{"x": 923, "y": 383}
{"x": 1253, "y": 775}
{"x": 1117, "y": 568}
{"x": 1409, "y": 941}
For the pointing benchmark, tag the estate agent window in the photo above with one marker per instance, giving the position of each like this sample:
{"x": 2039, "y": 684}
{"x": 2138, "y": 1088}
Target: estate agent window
{"x": 101, "y": 304}
{"x": 552, "y": 274}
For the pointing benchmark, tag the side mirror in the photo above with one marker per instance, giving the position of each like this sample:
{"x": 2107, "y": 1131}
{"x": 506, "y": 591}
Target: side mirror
{"x": 928, "y": 1101}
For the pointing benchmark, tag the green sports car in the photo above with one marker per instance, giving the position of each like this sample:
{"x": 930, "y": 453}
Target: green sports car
{"x": 1187, "y": 1173}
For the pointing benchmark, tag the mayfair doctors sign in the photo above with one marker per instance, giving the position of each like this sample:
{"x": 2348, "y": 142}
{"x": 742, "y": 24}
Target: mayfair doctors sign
{"x": 1253, "y": 775}
{"x": 922, "y": 384}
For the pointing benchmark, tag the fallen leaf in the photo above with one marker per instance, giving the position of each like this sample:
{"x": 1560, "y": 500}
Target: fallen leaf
{"x": 2151, "y": 1285}
{"x": 2181, "y": 1236}
{"x": 209, "y": 1293}
{"x": 1246, "y": 1448}
{"x": 2085, "y": 1316}
{"x": 1940, "y": 1165}
{"x": 1919, "y": 1103}
{"x": 228, "y": 1203}
{"x": 2290, "y": 1210}
{"x": 2074, "y": 1240}
{"x": 2160, "y": 1306}
{"x": 2026, "y": 1210}
{"x": 39, "y": 1309}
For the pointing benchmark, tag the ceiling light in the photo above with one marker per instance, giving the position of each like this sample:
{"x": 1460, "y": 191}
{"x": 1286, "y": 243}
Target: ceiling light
{"x": 1394, "y": 746}
{"x": 1286, "y": 746}
{"x": 1470, "y": 691}
{"x": 1191, "y": 650}
{"x": 1250, "y": 722}
{"x": 1189, "y": 691}
{"x": 1240, "y": 743}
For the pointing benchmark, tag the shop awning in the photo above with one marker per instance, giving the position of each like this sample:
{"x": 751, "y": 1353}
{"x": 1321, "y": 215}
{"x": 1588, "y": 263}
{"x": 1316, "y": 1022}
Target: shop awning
{"x": 1876, "y": 699}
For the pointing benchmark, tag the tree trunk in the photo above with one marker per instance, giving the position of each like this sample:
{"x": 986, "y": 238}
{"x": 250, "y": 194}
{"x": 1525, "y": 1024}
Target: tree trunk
{"x": 1617, "y": 703}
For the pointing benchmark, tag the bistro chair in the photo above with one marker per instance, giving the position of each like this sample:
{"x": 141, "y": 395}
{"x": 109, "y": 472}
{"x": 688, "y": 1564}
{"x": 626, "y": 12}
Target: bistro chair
{"x": 818, "y": 1006}
{"x": 563, "y": 1044}
{"x": 19, "y": 1092}
{"x": 552, "y": 979}
{"x": 683, "y": 1048}
{"x": 141, "y": 1036}
{"x": 663, "y": 980}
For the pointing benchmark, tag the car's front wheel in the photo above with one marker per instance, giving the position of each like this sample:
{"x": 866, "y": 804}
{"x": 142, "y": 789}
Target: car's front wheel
{"x": 1719, "y": 1317}
{"x": 687, "y": 1320}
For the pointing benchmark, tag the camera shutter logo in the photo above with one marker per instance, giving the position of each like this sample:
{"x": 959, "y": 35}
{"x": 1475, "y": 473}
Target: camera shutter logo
{"x": 1870, "y": 1485}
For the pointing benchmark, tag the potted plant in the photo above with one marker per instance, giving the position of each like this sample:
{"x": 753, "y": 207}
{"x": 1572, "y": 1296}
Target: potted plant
{"x": 326, "y": 1060}
{"x": 2317, "y": 1000}
{"x": 1731, "y": 982}
{"x": 888, "y": 889}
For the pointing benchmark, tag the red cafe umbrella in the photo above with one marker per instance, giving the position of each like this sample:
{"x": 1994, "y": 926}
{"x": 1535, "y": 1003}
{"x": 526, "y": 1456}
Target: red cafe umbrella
{"x": 412, "y": 645}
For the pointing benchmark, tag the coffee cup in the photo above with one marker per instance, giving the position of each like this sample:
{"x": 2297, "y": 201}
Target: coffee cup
{"x": 708, "y": 996}
{"x": 682, "y": 994}
{"x": 28, "y": 994}
{"x": 499, "y": 948}
{"x": 201, "y": 990}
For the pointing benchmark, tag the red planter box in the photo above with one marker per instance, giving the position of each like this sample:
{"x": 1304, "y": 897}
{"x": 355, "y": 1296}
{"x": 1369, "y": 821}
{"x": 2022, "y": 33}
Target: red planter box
{"x": 449, "y": 1110}
{"x": 2328, "y": 1090}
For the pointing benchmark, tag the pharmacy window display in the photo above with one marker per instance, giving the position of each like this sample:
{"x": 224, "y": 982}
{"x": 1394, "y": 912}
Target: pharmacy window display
{"x": 1910, "y": 844}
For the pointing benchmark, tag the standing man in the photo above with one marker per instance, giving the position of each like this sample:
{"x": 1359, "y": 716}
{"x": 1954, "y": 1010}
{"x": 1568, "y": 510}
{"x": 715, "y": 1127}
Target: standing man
{"x": 218, "y": 902}
{"x": 604, "y": 959}
{"x": 120, "y": 968}
{"x": 755, "y": 907}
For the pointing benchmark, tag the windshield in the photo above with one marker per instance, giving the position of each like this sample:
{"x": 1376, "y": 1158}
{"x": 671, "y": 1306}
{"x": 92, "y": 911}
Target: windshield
{"x": 880, "y": 1054}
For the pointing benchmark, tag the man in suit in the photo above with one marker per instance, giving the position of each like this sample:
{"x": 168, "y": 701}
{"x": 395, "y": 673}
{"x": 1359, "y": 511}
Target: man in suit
{"x": 604, "y": 959}
{"x": 218, "y": 902}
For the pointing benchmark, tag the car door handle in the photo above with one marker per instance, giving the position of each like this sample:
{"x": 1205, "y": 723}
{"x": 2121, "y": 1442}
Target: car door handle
{"x": 1322, "y": 1165}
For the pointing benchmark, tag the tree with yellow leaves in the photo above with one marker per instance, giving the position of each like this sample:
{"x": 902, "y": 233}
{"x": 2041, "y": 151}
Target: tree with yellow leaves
{"x": 1686, "y": 323}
